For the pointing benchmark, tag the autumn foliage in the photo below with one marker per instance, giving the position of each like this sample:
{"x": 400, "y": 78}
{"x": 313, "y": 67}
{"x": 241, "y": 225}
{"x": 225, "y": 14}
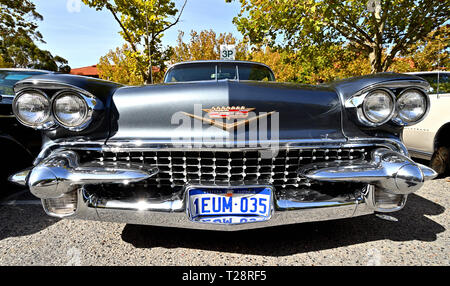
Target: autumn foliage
{"x": 310, "y": 41}
{"x": 313, "y": 65}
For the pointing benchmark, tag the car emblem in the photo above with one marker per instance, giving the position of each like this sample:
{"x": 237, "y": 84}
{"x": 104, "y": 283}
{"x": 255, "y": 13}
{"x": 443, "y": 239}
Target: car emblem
{"x": 228, "y": 112}
{"x": 240, "y": 112}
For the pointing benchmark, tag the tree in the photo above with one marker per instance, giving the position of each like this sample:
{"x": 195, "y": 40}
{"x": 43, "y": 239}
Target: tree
{"x": 431, "y": 53}
{"x": 205, "y": 45}
{"x": 117, "y": 66}
{"x": 282, "y": 63}
{"x": 380, "y": 29}
{"x": 143, "y": 23}
{"x": 288, "y": 65}
{"x": 342, "y": 62}
{"x": 18, "y": 34}
{"x": 4, "y": 64}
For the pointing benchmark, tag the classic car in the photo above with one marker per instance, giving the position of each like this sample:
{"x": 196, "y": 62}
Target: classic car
{"x": 222, "y": 146}
{"x": 430, "y": 139}
{"x": 16, "y": 139}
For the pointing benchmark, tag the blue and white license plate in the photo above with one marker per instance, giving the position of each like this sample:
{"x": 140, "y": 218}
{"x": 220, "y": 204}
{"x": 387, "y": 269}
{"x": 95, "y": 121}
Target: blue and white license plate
{"x": 230, "y": 205}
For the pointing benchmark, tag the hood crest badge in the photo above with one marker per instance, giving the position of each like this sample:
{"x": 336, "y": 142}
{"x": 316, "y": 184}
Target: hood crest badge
{"x": 228, "y": 113}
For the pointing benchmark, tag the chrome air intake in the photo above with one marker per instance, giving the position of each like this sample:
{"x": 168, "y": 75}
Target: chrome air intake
{"x": 233, "y": 167}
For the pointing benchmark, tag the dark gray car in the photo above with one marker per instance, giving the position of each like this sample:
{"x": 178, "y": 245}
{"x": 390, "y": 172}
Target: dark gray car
{"x": 222, "y": 146}
{"x": 18, "y": 145}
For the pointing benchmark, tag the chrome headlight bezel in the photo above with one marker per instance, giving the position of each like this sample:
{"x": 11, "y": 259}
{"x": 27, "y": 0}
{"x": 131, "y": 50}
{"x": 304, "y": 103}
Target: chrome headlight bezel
{"x": 51, "y": 122}
{"x": 46, "y": 124}
{"x": 89, "y": 105}
{"x": 359, "y": 102}
{"x": 387, "y": 94}
{"x": 399, "y": 120}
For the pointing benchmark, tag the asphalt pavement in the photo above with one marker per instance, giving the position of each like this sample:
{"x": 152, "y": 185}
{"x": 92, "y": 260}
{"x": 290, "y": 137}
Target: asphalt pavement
{"x": 416, "y": 235}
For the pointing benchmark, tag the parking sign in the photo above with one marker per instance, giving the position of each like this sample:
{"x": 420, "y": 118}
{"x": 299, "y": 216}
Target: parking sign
{"x": 227, "y": 52}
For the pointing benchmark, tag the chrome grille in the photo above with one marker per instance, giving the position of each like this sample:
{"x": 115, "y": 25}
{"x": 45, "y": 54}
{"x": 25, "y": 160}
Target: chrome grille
{"x": 233, "y": 167}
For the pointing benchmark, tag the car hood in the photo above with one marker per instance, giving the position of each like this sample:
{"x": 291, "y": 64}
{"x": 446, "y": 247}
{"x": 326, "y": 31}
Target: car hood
{"x": 170, "y": 112}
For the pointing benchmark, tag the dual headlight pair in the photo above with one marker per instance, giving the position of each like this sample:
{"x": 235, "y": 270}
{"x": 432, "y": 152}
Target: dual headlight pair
{"x": 380, "y": 105}
{"x": 69, "y": 109}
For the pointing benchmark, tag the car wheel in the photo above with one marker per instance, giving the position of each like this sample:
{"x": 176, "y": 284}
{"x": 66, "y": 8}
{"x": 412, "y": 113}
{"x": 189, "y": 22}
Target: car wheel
{"x": 14, "y": 159}
{"x": 440, "y": 160}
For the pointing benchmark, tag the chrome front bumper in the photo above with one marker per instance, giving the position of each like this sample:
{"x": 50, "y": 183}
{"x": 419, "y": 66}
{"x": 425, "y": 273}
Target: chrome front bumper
{"x": 172, "y": 212}
{"x": 60, "y": 180}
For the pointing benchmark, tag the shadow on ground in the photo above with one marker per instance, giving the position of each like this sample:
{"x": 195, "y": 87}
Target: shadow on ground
{"x": 287, "y": 240}
{"x": 21, "y": 220}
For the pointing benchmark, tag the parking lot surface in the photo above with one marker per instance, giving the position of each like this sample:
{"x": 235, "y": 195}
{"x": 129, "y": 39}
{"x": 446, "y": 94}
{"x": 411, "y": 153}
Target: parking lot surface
{"x": 419, "y": 236}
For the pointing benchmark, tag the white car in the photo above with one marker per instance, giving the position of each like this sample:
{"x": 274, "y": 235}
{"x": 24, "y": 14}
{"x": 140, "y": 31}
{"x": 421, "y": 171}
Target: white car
{"x": 430, "y": 139}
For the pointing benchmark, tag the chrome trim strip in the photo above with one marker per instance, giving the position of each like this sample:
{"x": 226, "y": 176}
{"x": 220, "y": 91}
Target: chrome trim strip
{"x": 420, "y": 154}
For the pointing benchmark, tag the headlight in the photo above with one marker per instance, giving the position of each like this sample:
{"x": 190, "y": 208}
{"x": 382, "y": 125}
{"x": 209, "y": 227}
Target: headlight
{"x": 33, "y": 109}
{"x": 70, "y": 110}
{"x": 378, "y": 107}
{"x": 411, "y": 107}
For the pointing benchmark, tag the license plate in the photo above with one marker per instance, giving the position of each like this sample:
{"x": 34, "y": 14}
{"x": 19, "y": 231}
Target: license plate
{"x": 230, "y": 205}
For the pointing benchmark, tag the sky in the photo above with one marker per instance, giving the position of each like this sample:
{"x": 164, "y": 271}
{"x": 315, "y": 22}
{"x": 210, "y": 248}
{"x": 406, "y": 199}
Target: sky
{"x": 82, "y": 35}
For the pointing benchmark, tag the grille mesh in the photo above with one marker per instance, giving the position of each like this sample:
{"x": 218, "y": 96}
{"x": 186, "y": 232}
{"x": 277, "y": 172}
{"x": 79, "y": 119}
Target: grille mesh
{"x": 177, "y": 168}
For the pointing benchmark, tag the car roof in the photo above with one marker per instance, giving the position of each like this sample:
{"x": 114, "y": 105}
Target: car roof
{"x": 426, "y": 72}
{"x": 219, "y": 61}
{"x": 24, "y": 70}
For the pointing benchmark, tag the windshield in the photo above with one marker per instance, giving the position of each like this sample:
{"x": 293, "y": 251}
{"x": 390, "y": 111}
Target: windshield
{"x": 9, "y": 78}
{"x": 444, "y": 83}
{"x": 432, "y": 80}
{"x": 438, "y": 82}
{"x": 217, "y": 71}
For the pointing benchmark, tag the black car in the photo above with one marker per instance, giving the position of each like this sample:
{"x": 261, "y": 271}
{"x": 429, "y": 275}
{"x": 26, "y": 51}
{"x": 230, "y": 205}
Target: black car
{"x": 222, "y": 146}
{"x": 18, "y": 144}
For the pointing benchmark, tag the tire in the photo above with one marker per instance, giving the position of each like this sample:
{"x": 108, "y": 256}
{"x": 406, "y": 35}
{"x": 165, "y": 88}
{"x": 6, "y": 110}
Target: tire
{"x": 13, "y": 160}
{"x": 440, "y": 160}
